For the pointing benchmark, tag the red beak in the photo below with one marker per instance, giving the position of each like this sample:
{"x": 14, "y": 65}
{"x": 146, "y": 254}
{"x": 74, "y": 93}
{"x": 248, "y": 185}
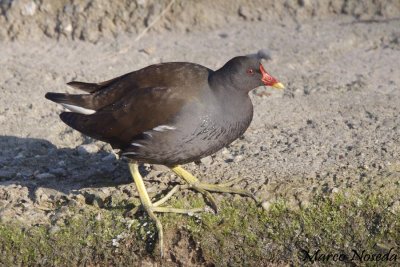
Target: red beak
{"x": 268, "y": 80}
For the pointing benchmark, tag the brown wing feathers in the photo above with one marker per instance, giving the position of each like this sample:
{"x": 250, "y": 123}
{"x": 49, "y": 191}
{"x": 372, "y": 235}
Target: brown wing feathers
{"x": 87, "y": 87}
{"x": 93, "y": 87}
{"x": 128, "y": 117}
{"x": 129, "y": 105}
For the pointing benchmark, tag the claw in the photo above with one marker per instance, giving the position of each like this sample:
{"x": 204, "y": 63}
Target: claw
{"x": 208, "y": 196}
{"x": 206, "y": 188}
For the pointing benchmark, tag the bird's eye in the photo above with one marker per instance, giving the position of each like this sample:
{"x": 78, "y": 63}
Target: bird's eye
{"x": 250, "y": 71}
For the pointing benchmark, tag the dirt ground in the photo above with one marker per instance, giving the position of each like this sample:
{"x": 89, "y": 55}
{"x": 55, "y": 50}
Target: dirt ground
{"x": 336, "y": 125}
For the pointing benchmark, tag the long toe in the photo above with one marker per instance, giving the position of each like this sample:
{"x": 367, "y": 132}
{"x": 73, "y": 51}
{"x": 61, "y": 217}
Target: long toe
{"x": 219, "y": 188}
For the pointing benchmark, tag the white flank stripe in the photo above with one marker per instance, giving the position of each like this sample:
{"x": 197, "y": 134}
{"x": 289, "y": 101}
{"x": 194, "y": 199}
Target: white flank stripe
{"x": 148, "y": 133}
{"x": 136, "y": 144}
{"x": 79, "y": 109}
{"x": 163, "y": 128}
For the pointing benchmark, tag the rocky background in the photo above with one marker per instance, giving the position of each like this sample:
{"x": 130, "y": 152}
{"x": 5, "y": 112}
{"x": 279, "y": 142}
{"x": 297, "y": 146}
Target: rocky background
{"x": 90, "y": 20}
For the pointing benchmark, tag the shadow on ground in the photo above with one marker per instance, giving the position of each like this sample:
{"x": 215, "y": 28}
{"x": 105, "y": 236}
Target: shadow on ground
{"x": 35, "y": 163}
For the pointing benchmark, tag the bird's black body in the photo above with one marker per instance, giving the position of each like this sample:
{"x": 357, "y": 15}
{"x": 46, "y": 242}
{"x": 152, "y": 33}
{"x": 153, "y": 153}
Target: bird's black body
{"x": 169, "y": 113}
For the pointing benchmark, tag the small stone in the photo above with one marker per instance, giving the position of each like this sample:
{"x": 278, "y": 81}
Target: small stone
{"x": 395, "y": 208}
{"x": 238, "y": 158}
{"x": 54, "y": 229}
{"x": 87, "y": 149}
{"x": 266, "y": 205}
{"x": 225, "y": 151}
{"x": 69, "y": 9}
{"x": 223, "y": 35}
{"x": 90, "y": 32}
{"x": 41, "y": 196}
{"x": 115, "y": 243}
{"x": 148, "y": 50}
{"x": 207, "y": 161}
{"x": 335, "y": 190}
{"x": 229, "y": 159}
{"x": 80, "y": 198}
{"x": 160, "y": 168}
{"x": 244, "y": 12}
{"x": 29, "y": 9}
{"x": 142, "y": 3}
{"x": 95, "y": 199}
{"x": 73, "y": 203}
{"x": 304, "y": 204}
{"x": 68, "y": 28}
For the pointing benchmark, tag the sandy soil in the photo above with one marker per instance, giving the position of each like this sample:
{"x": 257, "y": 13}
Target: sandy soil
{"x": 92, "y": 20}
{"x": 336, "y": 126}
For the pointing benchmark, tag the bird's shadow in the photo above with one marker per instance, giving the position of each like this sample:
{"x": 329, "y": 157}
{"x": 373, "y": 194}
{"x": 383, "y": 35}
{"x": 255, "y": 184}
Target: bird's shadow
{"x": 37, "y": 163}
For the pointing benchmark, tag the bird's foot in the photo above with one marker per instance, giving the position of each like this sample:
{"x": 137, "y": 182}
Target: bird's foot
{"x": 206, "y": 188}
{"x": 155, "y": 206}
{"x": 152, "y": 208}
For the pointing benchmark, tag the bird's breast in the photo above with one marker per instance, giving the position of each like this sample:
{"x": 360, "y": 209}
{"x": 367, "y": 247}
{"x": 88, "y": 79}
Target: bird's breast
{"x": 199, "y": 130}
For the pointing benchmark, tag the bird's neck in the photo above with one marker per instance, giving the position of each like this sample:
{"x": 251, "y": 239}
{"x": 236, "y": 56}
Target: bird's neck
{"x": 221, "y": 79}
{"x": 222, "y": 84}
{"x": 234, "y": 100}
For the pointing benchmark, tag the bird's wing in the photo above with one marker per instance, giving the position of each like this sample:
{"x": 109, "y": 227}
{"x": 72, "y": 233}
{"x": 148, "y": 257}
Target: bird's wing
{"x": 172, "y": 74}
{"x": 101, "y": 94}
{"x": 117, "y": 110}
{"x": 138, "y": 111}
{"x": 93, "y": 87}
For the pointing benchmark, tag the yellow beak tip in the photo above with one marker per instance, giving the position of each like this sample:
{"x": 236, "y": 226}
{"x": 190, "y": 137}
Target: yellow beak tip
{"x": 278, "y": 85}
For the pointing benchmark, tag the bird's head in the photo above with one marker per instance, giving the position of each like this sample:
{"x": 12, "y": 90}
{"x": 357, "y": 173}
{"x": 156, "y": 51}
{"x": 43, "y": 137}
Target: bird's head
{"x": 248, "y": 72}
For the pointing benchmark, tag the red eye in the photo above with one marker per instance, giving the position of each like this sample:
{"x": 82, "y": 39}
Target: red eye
{"x": 250, "y": 71}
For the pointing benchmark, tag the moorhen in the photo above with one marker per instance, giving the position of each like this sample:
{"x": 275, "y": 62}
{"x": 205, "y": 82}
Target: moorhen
{"x": 170, "y": 114}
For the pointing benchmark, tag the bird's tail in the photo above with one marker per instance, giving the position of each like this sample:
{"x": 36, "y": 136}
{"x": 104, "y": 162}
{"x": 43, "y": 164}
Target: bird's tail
{"x": 75, "y": 103}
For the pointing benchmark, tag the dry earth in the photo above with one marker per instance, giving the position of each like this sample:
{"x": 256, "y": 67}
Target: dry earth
{"x": 336, "y": 126}
{"x": 91, "y": 20}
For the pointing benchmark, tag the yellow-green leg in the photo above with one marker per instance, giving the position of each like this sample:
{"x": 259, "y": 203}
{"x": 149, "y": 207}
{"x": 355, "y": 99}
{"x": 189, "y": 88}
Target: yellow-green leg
{"x": 204, "y": 188}
{"x": 151, "y": 208}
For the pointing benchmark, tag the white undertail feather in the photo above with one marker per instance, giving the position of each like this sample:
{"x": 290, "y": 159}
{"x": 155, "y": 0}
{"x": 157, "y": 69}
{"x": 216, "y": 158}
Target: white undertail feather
{"x": 77, "y": 109}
